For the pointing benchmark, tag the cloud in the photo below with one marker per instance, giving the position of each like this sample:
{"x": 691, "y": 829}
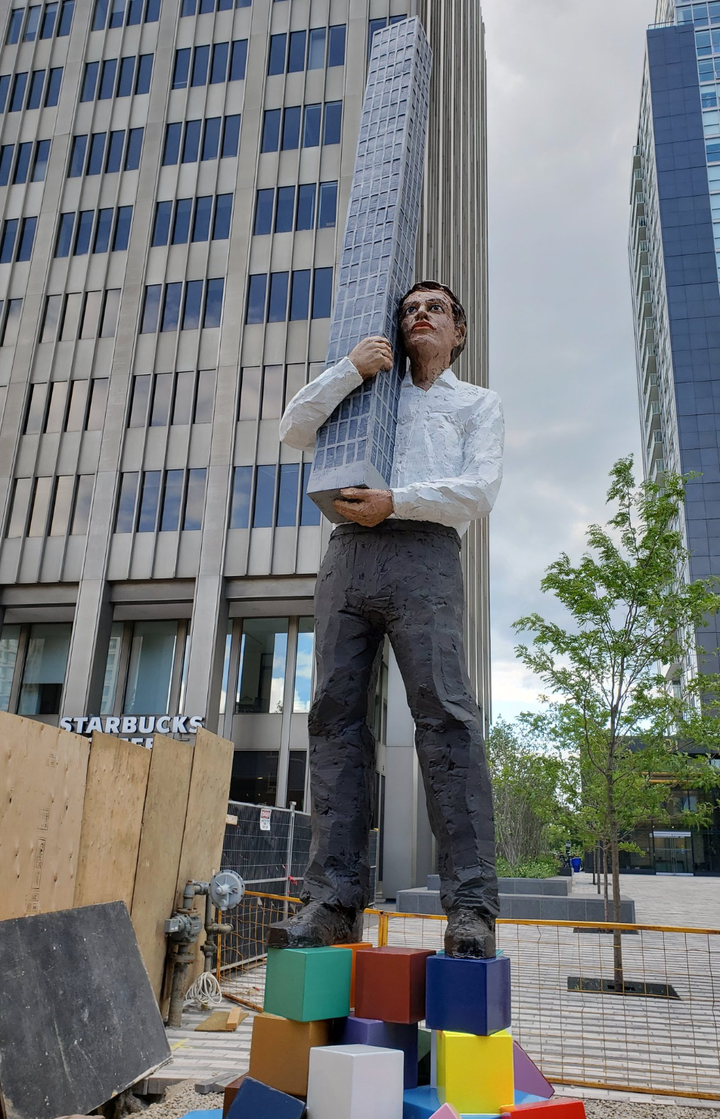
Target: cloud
{"x": 564, "y": 81}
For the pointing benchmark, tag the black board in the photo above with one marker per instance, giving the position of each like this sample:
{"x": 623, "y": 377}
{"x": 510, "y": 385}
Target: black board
{"x": 78, "y": 1018}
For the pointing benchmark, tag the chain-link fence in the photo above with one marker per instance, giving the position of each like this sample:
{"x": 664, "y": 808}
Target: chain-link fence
{"x": 269, "y": 849}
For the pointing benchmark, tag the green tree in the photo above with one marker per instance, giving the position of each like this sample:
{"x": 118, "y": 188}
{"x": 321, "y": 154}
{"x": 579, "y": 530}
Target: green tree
{"x": 611, "y": 712}
{"x": 525, "y": 779}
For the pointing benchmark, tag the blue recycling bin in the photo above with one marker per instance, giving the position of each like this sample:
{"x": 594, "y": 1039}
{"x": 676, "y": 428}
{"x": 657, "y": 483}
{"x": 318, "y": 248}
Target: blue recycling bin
{"x": 576, "y": 864}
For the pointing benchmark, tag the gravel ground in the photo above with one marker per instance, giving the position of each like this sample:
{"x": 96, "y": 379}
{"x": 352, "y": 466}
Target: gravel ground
{"x": 619, "y": 1109}
{"x": 181, "y": 1099}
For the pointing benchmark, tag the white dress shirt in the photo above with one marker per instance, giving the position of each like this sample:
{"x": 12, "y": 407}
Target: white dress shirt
{"x": 447, "y": 465}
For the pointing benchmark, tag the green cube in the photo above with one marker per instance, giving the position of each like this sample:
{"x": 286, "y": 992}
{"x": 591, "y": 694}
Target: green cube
{"x": 308, "y": 984}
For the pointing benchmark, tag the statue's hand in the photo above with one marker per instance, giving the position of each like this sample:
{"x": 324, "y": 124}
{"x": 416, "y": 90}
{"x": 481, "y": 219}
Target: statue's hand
{"x": 365, "y": 507}
{"x": 371, "y": 355}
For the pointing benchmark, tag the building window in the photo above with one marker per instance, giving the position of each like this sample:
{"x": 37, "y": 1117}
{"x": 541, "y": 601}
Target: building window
{"x": 37, "y": 27}
{"x": 276, "y": 496}
{"x": 242, "y": 489}
{"x": 263, "y": 656}
{"x": 9, "y": 644}
{"x": 19, "y": 158}
{"x": 10, "y": 312}
{"x": 194, "y": 65}
{"x": 285, "y": 209}
{"x": 115, "y": 13}
{"x": 108, "y": 225}
{"x": 176, "y": 501}
{"x": 309, "y": 512}
{"x": 254, "y": 776}
{"x": 133, "y": 75}
{"x": 150, "y": 672}
{"x": 304, "y": 658}
{"x": 202, "y": 305}
{"x": 268, "y": 302}
{"x": 190, "y": 7}
{"x": 200, "y": 214}
{"x": 312, "y": 126}
{"x": 44, "y": 669}
{"x": 81, "y": 315}
{"x": 106, "y": 152}
{"x": 300, "y": 50}
{"x": 16, "y": 240}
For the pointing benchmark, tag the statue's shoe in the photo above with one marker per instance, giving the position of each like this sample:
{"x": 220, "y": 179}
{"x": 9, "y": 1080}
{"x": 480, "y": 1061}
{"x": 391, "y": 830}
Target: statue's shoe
{"x": 317, "y": 925}
{"x": 470, "y": 935}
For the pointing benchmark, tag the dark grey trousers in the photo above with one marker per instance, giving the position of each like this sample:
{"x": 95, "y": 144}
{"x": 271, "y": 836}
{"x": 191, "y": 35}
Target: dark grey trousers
{"x": 403, "y": 579}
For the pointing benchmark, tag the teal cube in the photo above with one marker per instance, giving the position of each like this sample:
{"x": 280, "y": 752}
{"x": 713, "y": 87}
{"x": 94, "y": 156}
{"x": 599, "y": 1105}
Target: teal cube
{"x": 308, "y": 984}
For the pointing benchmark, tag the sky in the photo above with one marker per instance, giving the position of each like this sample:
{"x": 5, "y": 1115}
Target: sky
{"x": 564, "y": 80}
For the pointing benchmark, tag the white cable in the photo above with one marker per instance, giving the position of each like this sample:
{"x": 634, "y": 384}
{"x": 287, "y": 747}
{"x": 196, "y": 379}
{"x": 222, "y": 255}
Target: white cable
{"x": 204, "y": 992}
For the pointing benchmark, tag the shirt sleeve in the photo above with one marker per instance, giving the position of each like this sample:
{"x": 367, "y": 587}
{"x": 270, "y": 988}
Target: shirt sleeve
{"x": 315, "y": 403}
{"x": 470, "y": 496}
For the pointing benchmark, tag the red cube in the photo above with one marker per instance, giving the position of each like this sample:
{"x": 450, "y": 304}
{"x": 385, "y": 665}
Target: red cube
{"x": 390, "y": 984}
{"x": 557, "y": 1108}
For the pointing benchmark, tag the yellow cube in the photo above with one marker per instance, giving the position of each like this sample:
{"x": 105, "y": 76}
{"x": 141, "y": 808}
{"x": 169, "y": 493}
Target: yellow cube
{"x": 475, "y": 1074}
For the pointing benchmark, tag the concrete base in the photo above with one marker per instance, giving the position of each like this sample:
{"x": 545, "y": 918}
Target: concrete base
{"x": 555, "y": 886}
{"x": 523, "y": 906}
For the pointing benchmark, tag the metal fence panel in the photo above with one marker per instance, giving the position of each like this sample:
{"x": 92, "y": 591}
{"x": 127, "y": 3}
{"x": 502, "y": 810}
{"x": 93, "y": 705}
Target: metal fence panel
{"x": 645, "y": 1044}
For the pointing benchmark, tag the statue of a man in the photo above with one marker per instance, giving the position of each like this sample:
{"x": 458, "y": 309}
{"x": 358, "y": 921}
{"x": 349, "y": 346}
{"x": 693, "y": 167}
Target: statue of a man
{"x": 394, "y": 569}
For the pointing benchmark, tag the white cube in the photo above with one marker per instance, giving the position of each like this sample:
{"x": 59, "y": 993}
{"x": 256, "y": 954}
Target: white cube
{"x": 355, "y": 1082}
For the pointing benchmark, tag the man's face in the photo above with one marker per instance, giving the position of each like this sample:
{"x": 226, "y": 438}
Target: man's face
{"x": 428, "y": 326}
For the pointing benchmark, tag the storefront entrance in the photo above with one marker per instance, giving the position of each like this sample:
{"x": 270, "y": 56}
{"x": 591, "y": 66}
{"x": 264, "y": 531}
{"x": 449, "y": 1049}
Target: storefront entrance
{"x": 673, "y": 852}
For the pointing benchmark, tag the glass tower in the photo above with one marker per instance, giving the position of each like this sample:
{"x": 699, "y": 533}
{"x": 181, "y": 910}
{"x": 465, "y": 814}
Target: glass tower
{"x": 174, "y": 182}
{"x": 675, "y": 269}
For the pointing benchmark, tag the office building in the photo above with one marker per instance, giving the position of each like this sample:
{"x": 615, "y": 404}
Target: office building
{"x": 675, "y": 268}
{"x": 174, "y": 177}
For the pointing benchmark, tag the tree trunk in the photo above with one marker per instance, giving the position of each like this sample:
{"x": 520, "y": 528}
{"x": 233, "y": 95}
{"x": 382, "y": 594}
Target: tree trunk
{"x": 606, "y": 900}
{"x": 617, "y": 935}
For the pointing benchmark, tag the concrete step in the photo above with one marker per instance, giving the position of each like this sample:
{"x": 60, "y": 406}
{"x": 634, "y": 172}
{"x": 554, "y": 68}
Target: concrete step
{"x": 523, "y": 907}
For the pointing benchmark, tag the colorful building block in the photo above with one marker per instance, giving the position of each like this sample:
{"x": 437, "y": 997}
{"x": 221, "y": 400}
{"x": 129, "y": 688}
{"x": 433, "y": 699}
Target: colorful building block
{"x": 280, "y": 1051}
{"x": 553, "y": 1109}
{"x": 355, "y": 1082}
{"x": 468, "y": 996}
{"x": 423, "y": 1103}
{"x": 390, "y": 984}
{"x": 386, "y": 1035}
{"x": 363, "y": 947}
{"x": 308, "y": 984}
{"x": 475, "y": 1074}
{"x": 446, "y": 1112}
{"x": 257, "y": 1101}
{"x": 528, "y": 1077}
{"x": 231, "y": 1090}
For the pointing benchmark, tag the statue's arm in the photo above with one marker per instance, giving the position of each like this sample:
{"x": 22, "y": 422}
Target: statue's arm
{"x": 472, "y": 494}
{"x": 314, "y": 404}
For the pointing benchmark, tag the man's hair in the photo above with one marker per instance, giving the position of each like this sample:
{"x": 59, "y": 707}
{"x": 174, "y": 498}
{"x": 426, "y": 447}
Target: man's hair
{"x": 457, "y": 309}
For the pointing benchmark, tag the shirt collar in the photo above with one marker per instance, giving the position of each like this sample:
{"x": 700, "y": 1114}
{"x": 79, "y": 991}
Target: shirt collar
{"x": 447, "y": 377}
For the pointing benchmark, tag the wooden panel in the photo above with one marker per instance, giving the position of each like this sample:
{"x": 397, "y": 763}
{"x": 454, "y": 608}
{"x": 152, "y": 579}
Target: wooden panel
{"x": 161, "y": 838}
{"x": 112, "y": 820}
{"x": 42, "y": 786}
{"x": 205, "y": 820}
{"x": 78, "y": 1020}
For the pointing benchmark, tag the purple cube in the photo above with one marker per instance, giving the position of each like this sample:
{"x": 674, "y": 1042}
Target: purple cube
{"x": 386, "y": 1035}
{"x": 468, "y": 996}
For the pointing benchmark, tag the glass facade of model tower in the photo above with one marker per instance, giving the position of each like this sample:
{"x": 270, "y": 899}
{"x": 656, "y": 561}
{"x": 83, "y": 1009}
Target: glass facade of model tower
{"x": 174, "y": 179}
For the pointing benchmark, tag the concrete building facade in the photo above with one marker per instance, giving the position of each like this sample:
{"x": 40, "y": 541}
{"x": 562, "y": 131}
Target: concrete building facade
{"x": 174, "y": 178}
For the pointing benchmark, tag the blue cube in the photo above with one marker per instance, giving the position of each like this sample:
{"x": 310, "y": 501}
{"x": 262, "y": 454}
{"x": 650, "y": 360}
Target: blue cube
{"x": 386, "y": 1035}
{"x": 256, "y": 1101}
{"x": 468, "y": 996}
